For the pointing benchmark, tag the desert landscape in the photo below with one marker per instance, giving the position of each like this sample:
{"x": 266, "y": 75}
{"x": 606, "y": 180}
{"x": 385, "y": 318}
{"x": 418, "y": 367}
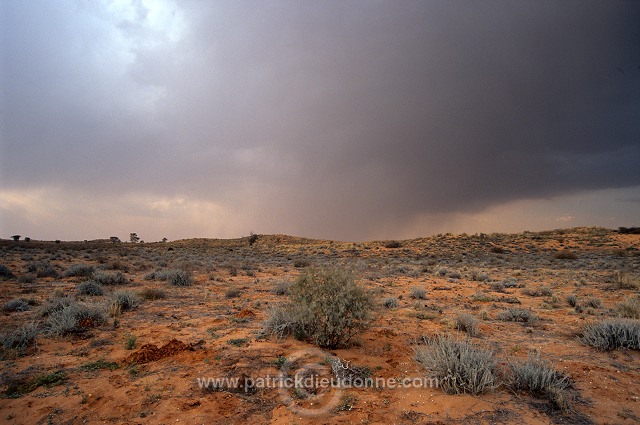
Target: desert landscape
{"x": 103, "y": 332}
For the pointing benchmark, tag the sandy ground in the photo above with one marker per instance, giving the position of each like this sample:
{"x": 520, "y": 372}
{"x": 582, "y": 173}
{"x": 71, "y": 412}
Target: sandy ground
{"x": 143, "y": 365}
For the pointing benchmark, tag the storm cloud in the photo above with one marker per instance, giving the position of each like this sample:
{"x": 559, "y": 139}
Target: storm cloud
{"x": 346, "y": 120}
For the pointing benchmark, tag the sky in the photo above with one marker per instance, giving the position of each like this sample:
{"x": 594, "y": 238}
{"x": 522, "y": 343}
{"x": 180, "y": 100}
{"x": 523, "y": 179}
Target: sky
{"x": 346, "y": 120}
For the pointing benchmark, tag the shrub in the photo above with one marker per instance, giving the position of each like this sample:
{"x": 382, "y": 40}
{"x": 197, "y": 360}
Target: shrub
{"x": 593, "y": 302}
{"x": 610, "y": 334}
{"x": 629, "y": 308}
{"x": 455, "y": 274}
{"x": 479, "y": 276}
{"x": 43, "y": 269}
{"x": 517, "y": 315}
{"x": 6, "y": 272}
{"x": 459, "y": 366}
{"x": 565, "y": 255}
{"x": 153, "y": 294}
{"x": 281, "y": 322}
{"x": 418, "y": 293}
{"x": 391, "y": 302}
{"x": 180, "y": 278}
{"x": 90, "y": 287}
{"x": 104, "y": 278}
{"x": 540, "y": 379}
{"x": 126, "y": 300}
{"x": 497, "y": 287}
{"x": 21, "y": 339}
{"x": 232, "y": 293}
{"x": 572, "y": 300}
{"x": 17, "y": 304}
{"x": 327, "y": 307}
{"x": 624, "y": 280}
{"x": 282, "y": 287}
{"x": 544, "y": 291}
{"x": 392, "y": 244}
{"x": 54, "y": 304}
{"x": 74, "y": 318}
{"x": 467, "y": 323}
{"x": 83, "y": 270}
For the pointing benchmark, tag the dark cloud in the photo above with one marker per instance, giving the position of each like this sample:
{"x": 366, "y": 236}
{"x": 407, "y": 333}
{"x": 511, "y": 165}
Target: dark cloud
{"x": 326, "y": 118}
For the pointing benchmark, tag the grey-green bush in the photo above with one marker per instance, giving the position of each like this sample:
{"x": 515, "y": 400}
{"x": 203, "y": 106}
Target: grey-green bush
{"x": 81, "y": 269}
{"x": 460, "y": 366}
{"x": 69, "y": 319}
{"x": 468, "y": 323}
{"x": 17, "y": 304}
{"x": 105, "y": 278}
{"x": 517, "y": 315}
{"x": 21, "y": 338}
{"x": 126, "y": 300}
{"x": 327, "y": 307}
{"x": 540, "y": 379}
{"x": 610, "y": 334}
{"x": 180, "y": 278}
{"x": 90, "y": 287}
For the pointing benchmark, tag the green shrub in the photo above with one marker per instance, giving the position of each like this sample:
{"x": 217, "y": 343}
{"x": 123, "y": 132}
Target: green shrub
{"x": 327, "y": 307}
{"x": 459, "y": 366}
{"x": 84, "y": 270}
{"x": 90, "y": 287}
{"x": 468, "y": 323}
{"x": 572, "y": 300}
{"x": 610, "y": 334}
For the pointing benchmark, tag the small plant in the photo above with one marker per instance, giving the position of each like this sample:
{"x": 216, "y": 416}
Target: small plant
{"x": 393, "y": 244}
{"x": 99, "y": 365}
{"x": 127, "y": 300}
{"x": 517, "y": 315}
{"x": 418, "y": 293}
{"x": 593, "y": 302}
{"x": 5, "y": 272}
{"x": 180, "y": 278}
{"x": 625, "y": 280}
{"x": 544, "y": 291}
{"x": 497, "y": 287}
{"x": 130, "y": 343}
{"x": 629, "y": 308}
{"x": 610, "y": 334}
{"x": 238, "y": 342}
{"x": 460, "y": 366}
{"x": 232, "y": 293}
{"x": 565, "y": 255}
{"x": 281, "y": 322}
{"x": 572, "y": 300}
{"x": 541, "y": 380}
{"x": 90, "y": 287}
{"x": 82, "y": 270}
{"x": 73, "y": 318}
{"x": 21, "y": 339}
{"x": 467, "y": 323}
{"x": 153, "y": 294}
{"x": 282, "y": 287}
{"x": 391, "y": 302}
{"x": 479, "y": 276}
{"x": 104, "y": 278}
{"x": 17, "y": 304}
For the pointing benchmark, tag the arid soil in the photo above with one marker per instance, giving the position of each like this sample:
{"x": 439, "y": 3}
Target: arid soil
{"x": 145, "y": 364}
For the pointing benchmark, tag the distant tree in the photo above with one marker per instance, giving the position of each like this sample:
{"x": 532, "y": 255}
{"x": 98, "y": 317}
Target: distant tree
{"x": 115, "y": 239}
{"x": 164, "y": 239}
{"x": 15, "y": 237}
{"x": 27, "y": 239}
{"x": 252, "y": 238}
{"x": 58, "y": 241}
{"x": 133, "y": 237}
